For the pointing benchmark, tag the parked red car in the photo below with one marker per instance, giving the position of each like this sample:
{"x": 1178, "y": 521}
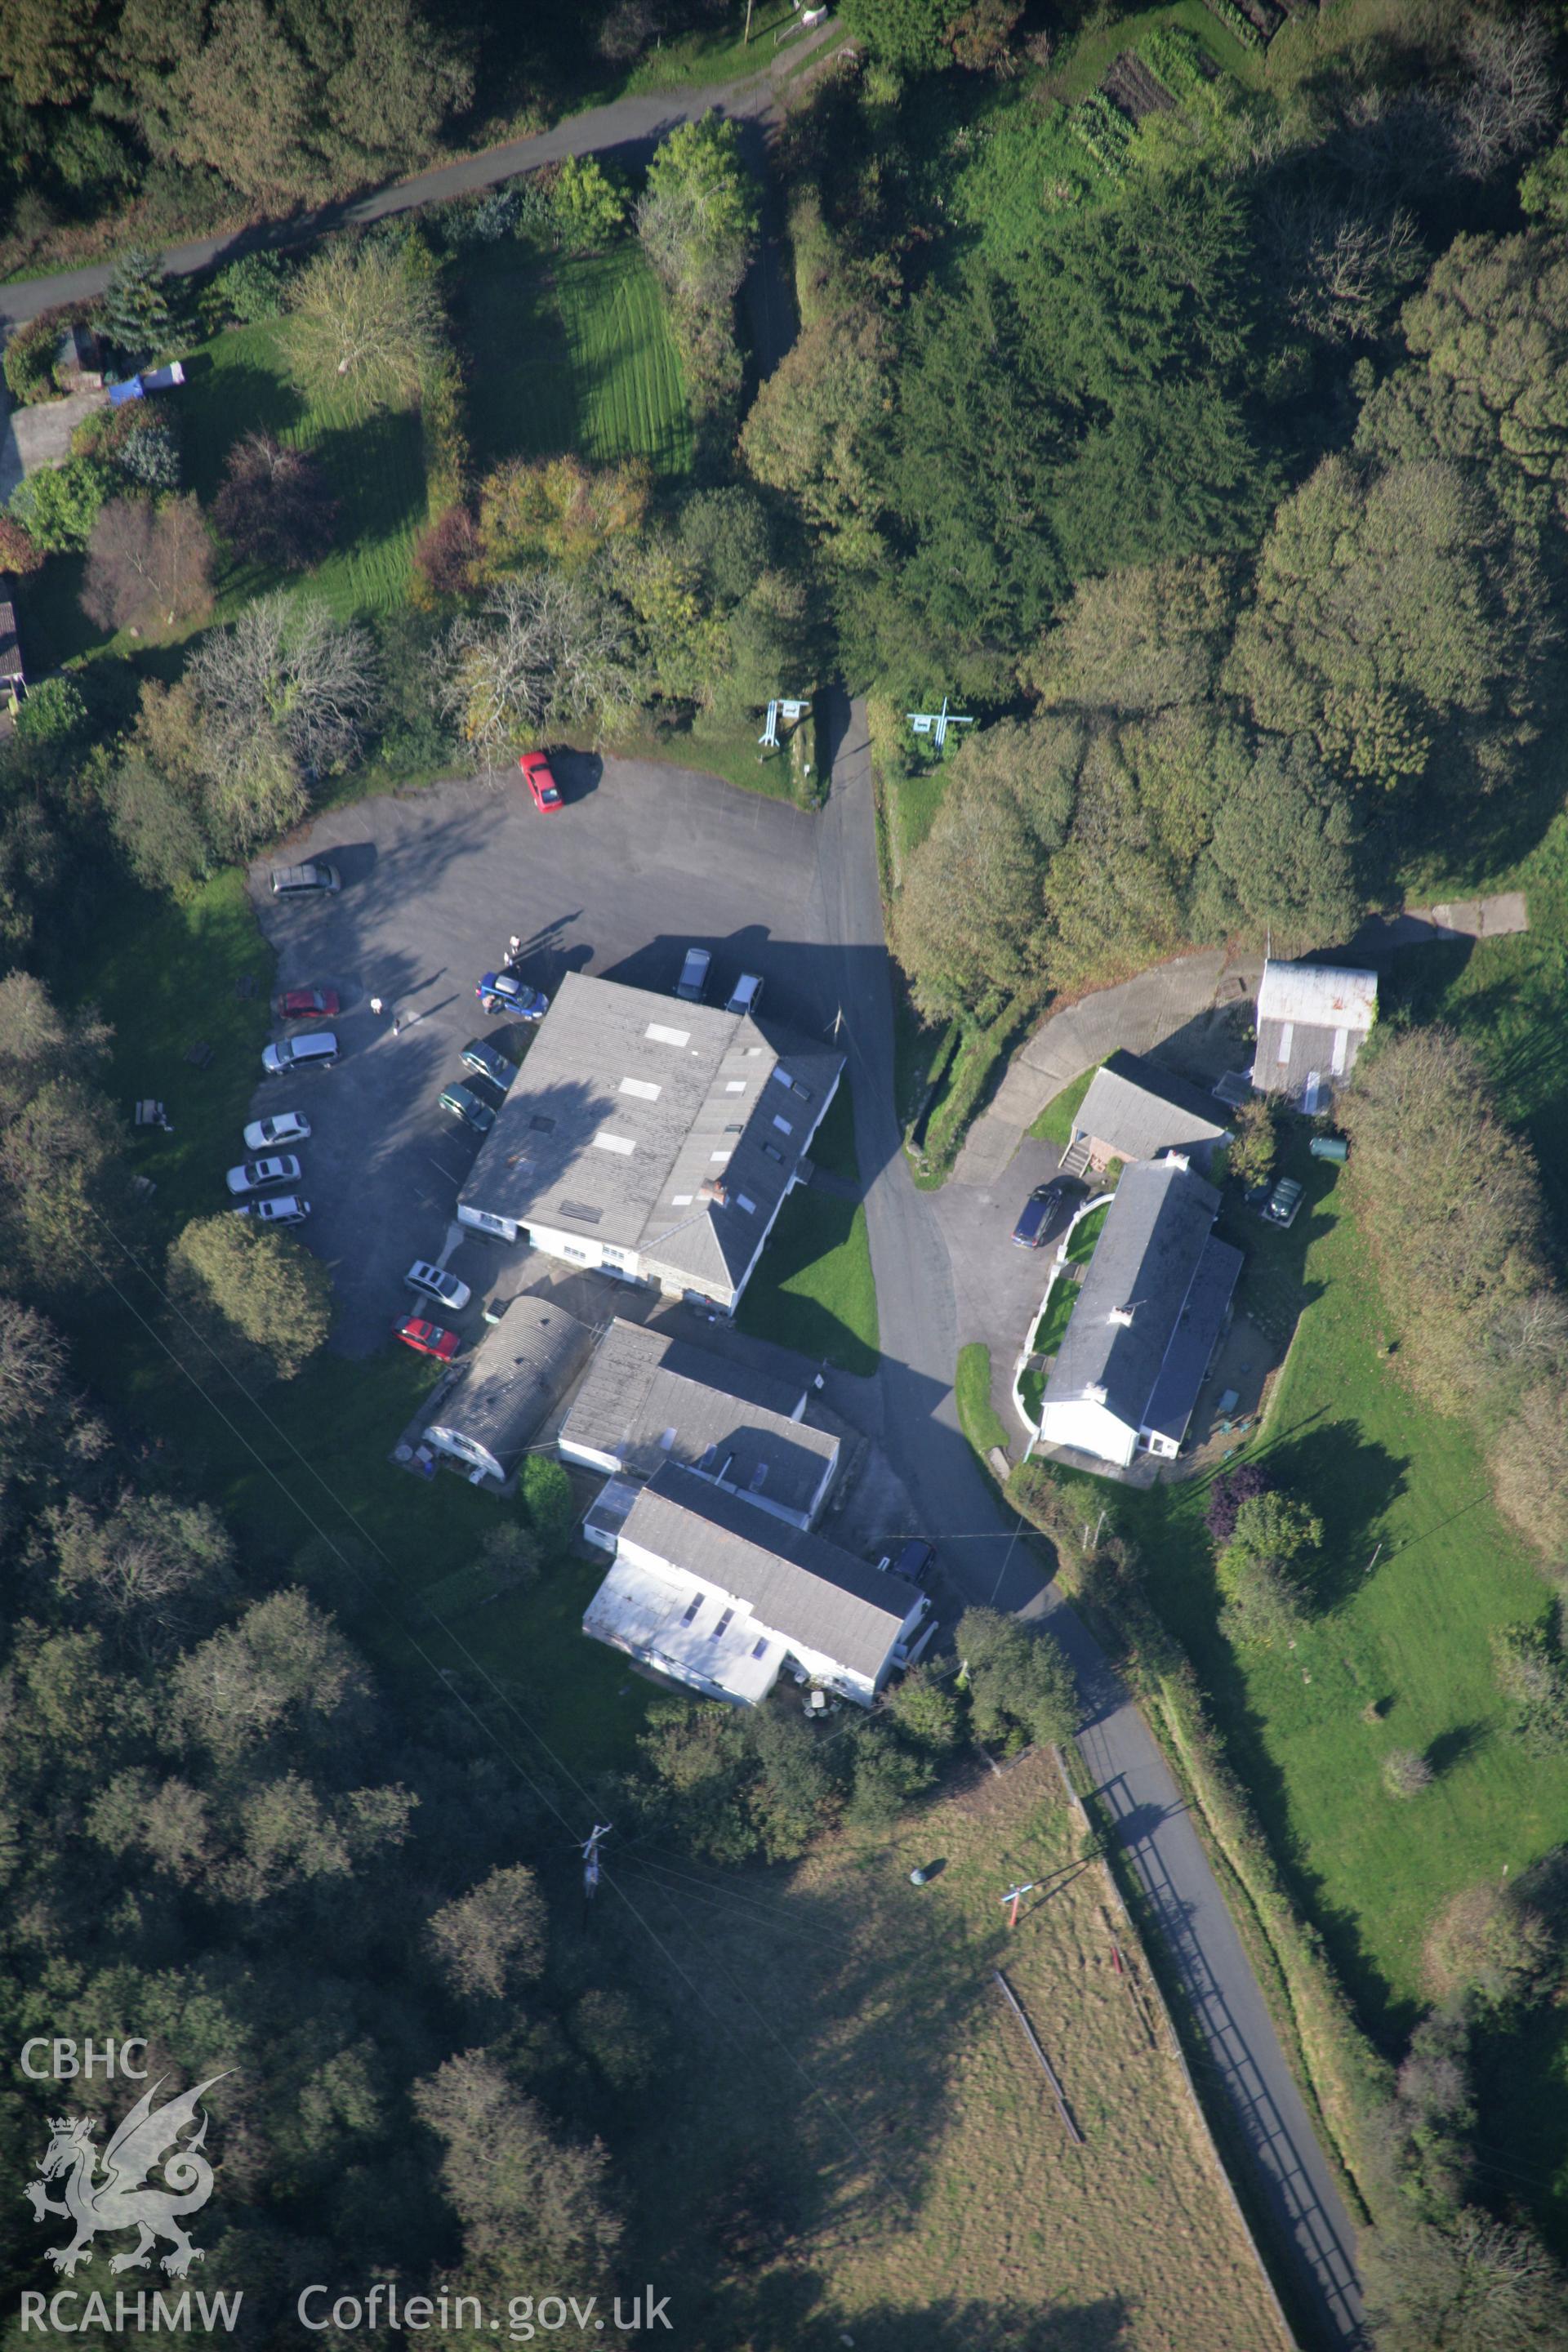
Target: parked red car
{"x": 307, "y": 1005}
{"x": 536, "y": 775}
{"x": 427, "y": 1339}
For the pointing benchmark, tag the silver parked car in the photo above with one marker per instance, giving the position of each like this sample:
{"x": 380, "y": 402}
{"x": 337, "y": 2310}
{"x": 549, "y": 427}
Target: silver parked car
{"x": 254, "y": 1175}
{"x": 284, "y": 1209}
{"x": 284, "y": 1127}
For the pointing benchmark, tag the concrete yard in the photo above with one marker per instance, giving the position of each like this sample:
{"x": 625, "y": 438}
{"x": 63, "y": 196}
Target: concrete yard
{"x": 643, "y": 861}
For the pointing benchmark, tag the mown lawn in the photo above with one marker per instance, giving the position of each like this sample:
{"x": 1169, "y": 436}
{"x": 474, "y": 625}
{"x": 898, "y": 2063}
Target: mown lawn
{"x": 1417, "y": 1571}
{"x": 239, "y": 383}
{"x": 571, "y": 353}
{"x": 814, "y": 1289}
{"x": 309, "y": 1458}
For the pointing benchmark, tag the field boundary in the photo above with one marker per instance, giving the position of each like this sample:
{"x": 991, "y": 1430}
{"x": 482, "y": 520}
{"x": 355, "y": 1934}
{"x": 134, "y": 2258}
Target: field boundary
{"x": 1136, "y": 1942}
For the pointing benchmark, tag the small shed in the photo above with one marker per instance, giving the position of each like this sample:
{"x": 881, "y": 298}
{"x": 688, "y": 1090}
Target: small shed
{"x": 78, "y": 362}
{"x": 1311, "y": 1021}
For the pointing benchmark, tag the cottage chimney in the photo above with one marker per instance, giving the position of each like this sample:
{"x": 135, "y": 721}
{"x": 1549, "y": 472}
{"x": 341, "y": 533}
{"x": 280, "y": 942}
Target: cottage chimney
{"x": 1094, "y": 1393}
{"x": 712, "y": 1188}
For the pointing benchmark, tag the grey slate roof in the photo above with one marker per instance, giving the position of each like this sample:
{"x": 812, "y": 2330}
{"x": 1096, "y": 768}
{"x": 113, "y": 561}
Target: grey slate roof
{"x": 795, "y": 1584}
{"x": 1155, "y": 1256}
{"x": 1141, "y": 1111}
{"x": 644, "y": 1386}
{"x": 512, "y": 1379}
{"x": 696, "y": 1094}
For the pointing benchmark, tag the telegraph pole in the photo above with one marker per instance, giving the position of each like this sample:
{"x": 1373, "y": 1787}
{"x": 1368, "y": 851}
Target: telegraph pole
{"x": 591, "y": 1859}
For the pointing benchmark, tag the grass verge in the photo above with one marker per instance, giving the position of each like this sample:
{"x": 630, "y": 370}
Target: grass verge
{"x": 977, "y": 1416}
{"x": 1055, "y": 1123}
{"x": 814, "y": 1289}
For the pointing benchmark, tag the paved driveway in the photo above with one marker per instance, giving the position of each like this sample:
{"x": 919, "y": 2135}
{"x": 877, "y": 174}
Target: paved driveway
{"x": 643, "y": 861}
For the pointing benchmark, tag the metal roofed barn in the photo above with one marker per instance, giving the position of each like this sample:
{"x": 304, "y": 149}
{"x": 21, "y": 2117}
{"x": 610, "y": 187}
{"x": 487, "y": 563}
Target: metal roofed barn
{"x": 1150, "y": 1314}
{"x": 488, "y": 1413}
{"x": 1312, "y": 1019}
{"x": 652, "y": 1139}
{"x": 648, "y": 1399}
{"x": 710, "y": 1593}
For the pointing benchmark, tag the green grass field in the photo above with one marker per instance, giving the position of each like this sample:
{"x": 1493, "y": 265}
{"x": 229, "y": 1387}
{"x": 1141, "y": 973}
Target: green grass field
{"x": 572, "y": 353}
{"x": 237, "y": 383}
{"x": 814, "y": 1289}
{"x": 1416, "y": 1571}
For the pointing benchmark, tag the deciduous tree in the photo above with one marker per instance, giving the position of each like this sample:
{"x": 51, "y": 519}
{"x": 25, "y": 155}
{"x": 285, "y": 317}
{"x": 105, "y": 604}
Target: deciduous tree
{"x": 490, "y": 1939}
{"x": 261, "y": 1303}
{"x": 1020, "y": 1683}
{"x": 275, "y": 507}
{"x": 362, "y": 321}
{"x": 149, "y": 564}
{"x": 548, "y": 653}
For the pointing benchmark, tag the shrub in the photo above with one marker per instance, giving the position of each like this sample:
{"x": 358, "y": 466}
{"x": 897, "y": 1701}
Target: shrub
{"x": 1255, "y": 1146}
{"x": 925, "y": 1710}
{"x": 549, "y": 1502}
{"x": 30, "y": 357}
{"x": 589, "y": 203}
{"x": 447, "y": 555}
{"x": 495, "y": 215}
{"x": 148, "y": 452}
{"x": 1486, "y": 1941}
{"x": 19, "y": 553}
{"x": 248, "y": 290}
{"x": 1405, "y": 1773}
{"x": 1533, "y": 1673}
{"x": 53, "y": 714}
{"x": 58, "y": 505}
{"x": 1229, "y": 1491}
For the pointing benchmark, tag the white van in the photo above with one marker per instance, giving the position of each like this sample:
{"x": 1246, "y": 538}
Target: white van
{"x": 318, "y": 1051}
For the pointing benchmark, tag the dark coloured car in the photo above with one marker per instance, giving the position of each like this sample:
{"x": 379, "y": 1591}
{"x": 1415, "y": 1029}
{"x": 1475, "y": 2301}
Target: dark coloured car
{"x": 1033, "y": 1227}
{"x": 307, "y": 1005}
{"x": 288, "y": 881}
{"x": 502, "y": 991}
{"x": 427, "y": 1339}
{"x": 475, "y": 1109}
{"x": 1282, "y": 1207}
{"x": 479, "y": 1054}
{"x": 911, "y": 1560}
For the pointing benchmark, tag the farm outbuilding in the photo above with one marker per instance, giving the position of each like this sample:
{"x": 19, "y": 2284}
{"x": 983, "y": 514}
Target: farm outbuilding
{"x": 487, "y": 1417}
{"x": 648, "y": 1399}
{"x": 1311, "y": 1021}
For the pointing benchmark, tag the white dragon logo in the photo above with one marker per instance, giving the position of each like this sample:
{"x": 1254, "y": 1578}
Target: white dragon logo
{"x": 121, "y": 2200}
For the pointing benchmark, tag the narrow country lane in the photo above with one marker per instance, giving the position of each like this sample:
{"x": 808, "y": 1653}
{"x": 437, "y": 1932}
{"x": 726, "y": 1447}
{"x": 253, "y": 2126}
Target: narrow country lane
{"x": 626, "y": 123}
{"x": 984, "y": 1558}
